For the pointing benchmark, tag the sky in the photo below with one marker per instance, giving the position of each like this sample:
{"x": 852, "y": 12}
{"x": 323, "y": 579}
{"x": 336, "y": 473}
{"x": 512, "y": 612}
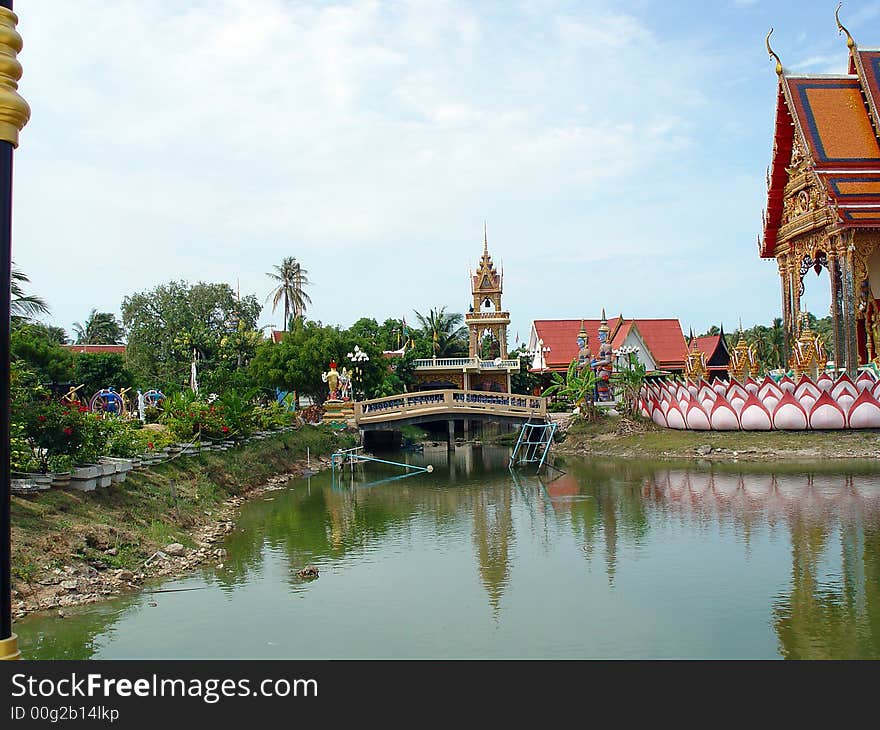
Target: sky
{"x": 616, "y": 151}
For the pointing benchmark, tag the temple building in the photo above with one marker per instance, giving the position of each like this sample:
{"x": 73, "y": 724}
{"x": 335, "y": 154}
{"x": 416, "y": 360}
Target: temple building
{"x": 487, "y": 324}
{"x": 823, "y": 200}
{"x": 717, "y": 356}
{"x": 658, "y": 344}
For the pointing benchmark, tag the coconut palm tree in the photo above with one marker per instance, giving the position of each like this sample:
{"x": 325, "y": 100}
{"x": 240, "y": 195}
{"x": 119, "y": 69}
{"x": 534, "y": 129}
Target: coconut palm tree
{"x": 24, "y": 307}
{"x": 101, "y": 328}
{"x": 292, "y": 279}
{"x": 445, "y": 331}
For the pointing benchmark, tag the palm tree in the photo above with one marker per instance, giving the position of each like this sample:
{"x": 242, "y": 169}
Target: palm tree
{"x": 101, "y": 328}
{"x": 444, "y": 329}
{"x": 24, "y": 307}
{"x": 292, "y": 280}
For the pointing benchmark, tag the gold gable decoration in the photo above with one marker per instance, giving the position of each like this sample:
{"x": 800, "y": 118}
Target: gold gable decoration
{"x": 743, "y": 360}
{"x": 808, "y": 356}
{"x": 695, "y": 367}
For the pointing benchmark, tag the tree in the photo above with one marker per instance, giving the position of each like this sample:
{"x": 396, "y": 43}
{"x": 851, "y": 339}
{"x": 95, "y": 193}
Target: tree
{"x": 292, "y": 280}
{"x": 296, "y": 363}
{"x": 31, "y": 346}
{"x": 96, "y": 371}
{"x": 170, "y": 324}
{"x": 577, "y": 388}
{"x": 630, "y": 381}
{"x": 523, "y": 381}
{"x": 101, "y": 328}
{"x": 24, "y": 307}
{"x": 444, "y": 331}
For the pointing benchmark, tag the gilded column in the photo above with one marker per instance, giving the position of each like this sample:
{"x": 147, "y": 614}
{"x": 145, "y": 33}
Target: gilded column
{"x": 782, "y": 263}
{"x": 14, "y": 114}
{"x": 848, "y": 305}
{"x": 834, "y": 280}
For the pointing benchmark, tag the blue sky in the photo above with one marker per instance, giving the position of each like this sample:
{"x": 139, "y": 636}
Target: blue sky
{"x": 616, "y": 150}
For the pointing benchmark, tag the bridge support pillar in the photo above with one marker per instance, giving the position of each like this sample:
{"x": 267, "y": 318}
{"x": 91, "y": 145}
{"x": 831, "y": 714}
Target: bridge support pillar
{"x": 451, "y": 442}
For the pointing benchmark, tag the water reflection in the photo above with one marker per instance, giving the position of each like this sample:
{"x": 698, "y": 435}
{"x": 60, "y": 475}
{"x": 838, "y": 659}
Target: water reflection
{"x": 673, "y": 548}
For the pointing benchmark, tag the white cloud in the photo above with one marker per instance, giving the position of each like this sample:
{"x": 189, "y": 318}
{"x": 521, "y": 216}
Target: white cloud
{"x": 206, "y": 140}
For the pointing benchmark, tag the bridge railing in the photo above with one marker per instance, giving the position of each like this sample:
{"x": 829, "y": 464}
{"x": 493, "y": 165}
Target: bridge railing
{"x": 408, "y": 405}
{"x": 465, "y": 362}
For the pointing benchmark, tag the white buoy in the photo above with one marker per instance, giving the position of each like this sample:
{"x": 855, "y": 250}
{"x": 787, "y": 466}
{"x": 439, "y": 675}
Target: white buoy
{"x": 430, "y": 468}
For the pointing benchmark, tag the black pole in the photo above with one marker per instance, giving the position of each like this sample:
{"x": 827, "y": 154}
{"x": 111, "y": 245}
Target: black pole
{"x": 5, "y": 404}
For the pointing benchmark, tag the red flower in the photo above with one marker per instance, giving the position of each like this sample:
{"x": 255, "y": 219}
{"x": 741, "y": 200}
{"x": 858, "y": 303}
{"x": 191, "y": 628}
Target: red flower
{"x": 68, "y": 430}
{"x": 150, "y": 446}
{"x": 225, "y": 429}
{"x": 41, "y": 419}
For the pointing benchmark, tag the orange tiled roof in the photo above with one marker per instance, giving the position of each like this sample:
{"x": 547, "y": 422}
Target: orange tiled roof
{"x": 833, "y": 114}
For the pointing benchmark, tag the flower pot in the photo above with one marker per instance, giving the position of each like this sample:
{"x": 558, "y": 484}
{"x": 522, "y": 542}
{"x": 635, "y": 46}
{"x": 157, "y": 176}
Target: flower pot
{"x": 84, "y": 485}
{"x": 24, "y": 485}
{"x": 61, "y": 479}
{"x": 86, "y": 471}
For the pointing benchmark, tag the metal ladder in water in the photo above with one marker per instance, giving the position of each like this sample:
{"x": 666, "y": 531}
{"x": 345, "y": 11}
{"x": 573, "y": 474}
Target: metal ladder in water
{"x": 533, "y": 444}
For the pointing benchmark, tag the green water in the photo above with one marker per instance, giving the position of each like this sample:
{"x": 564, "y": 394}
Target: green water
{"x": 611, "y": 559}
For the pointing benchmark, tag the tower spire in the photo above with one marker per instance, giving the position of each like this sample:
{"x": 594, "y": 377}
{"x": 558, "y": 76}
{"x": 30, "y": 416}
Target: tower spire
{"x": 485, "y": 240}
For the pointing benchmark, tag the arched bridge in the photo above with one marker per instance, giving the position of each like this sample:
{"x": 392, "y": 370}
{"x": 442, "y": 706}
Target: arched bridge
{"x": 384, "y": 414}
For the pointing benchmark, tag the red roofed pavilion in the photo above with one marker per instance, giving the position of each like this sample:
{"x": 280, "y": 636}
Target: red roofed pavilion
{"x": 823, "y": 198}
{"x": 660, "y": 342}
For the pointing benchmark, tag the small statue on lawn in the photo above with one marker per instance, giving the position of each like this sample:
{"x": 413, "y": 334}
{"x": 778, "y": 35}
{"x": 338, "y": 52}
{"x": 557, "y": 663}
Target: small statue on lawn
{"x": 345, "y": 385}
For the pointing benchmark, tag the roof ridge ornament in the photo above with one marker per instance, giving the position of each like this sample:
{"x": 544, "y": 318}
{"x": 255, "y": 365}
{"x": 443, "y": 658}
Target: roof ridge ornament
{"x": 851, "y": 44}
{"x": 772, "y": 53}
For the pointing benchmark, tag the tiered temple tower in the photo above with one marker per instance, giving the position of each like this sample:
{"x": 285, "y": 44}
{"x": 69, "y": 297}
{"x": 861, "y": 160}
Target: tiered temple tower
{"x": 486, "y": 315}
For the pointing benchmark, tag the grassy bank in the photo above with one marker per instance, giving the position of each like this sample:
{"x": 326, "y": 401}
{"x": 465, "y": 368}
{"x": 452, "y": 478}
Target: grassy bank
{"x": 92, "y": 538}
{"x": 612, "y": 437}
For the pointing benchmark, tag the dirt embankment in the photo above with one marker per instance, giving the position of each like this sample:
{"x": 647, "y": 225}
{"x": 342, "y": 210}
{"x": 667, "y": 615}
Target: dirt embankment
{"x": 626, "y": 438}
{"x": 71, "y": 548}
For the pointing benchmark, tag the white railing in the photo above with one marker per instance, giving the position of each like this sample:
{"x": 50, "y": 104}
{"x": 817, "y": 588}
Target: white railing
{"x": 443, "y": 362}
{"x": 487, "y": 315}
{"x": 465, "y": 362}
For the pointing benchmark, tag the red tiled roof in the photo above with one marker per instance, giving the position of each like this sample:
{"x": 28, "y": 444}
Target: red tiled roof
{"x": 665, "y": 340}
{"x": 707, "y": 344}
{"x": 97, "y": 349}
{"x": 277, "y": 335}
{"x": 663, "y": 337}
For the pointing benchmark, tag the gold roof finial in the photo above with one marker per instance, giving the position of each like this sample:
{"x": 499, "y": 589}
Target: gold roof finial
{"x": 14, "y": 110}
{"x": 773, "y": 54}
{"x": 841, "y": 29}
{"x": 485, "y": 240}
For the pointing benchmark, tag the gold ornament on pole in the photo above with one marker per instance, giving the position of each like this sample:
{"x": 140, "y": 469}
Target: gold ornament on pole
{"x": 14, "y": 114}
{"x": 14, "y": 110}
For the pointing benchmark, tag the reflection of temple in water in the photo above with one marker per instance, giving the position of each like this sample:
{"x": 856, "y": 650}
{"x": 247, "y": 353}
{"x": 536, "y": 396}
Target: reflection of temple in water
{"x": 493, "y": 539}
{"x": 832, "y": 608}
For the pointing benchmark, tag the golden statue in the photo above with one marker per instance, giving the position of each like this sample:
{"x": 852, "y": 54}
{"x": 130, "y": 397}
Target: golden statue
{"x": 331, "y": 377}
